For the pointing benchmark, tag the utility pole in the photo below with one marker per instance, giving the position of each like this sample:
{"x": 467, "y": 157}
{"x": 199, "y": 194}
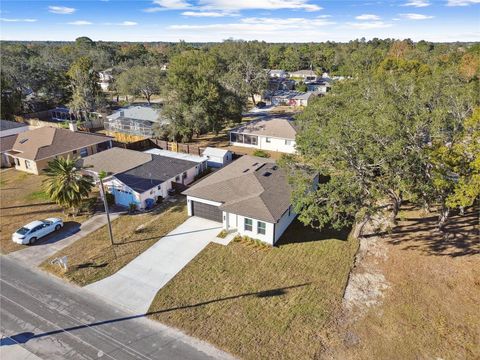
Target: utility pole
{"x": 105, "y": 203}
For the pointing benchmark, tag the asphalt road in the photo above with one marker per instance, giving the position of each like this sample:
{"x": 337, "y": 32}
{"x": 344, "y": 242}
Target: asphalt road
{"x": 54, "y": 320}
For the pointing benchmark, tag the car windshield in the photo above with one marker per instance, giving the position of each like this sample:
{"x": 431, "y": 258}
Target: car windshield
{"x": 23, "y": 231}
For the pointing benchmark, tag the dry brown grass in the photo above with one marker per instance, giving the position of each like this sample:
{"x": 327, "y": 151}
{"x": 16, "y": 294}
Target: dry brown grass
{"x": 431, "y": 309}
{"x": 261, "y": 302}
{"x": 93, "y": 258}
{"x": 22, "y": 201}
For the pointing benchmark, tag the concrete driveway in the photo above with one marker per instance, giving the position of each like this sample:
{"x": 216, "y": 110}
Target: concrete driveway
{"x": 35, "y": 254}
{"x": 136, "y": 284}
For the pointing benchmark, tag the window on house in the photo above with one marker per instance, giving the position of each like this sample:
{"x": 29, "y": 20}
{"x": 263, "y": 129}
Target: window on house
{"x": 28, "y": 165}
{"x": 17, "y": 162}
{"x": 177, "y": 178}
{"x": 261, "y": 227}
{"x": 248, "y": 226}
{"x": 83, "y": 152}
{"x": 288, "y": 142}
{"x": 184, "y": 175}
{"x": 267, "y": 140}
{"x": 74, "y": 152}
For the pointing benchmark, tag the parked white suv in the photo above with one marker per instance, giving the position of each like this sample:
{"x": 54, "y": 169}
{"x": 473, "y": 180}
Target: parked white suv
{"x": 33, "y": 231}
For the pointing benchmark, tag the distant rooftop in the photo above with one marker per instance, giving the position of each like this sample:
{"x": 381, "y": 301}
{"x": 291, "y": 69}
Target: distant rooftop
{"x": 147, "y": 113}
{"x": 7, "y": 125}
{"x": 277, "y": 127}
{"x": 211, "y": 151}
{"x": 176, "y": 155}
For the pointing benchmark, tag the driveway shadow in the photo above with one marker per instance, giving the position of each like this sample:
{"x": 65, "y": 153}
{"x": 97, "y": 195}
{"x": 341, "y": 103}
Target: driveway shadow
{"x": 69, "y": 228}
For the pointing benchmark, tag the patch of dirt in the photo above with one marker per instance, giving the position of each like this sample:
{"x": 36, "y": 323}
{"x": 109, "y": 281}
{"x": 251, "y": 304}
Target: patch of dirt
{"x": 367, "y": 282}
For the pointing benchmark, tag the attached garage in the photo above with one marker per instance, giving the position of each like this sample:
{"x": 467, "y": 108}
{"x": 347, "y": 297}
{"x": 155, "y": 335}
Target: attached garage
{"x": 207, "y": 211}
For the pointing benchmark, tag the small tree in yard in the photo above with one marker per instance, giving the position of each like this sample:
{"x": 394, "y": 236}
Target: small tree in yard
{"x": 65, "y": 184}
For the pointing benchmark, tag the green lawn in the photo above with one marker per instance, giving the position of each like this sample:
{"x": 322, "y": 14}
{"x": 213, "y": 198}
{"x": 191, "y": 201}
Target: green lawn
{"x": 92, "y": 258}
{"x": 259, "y": 302}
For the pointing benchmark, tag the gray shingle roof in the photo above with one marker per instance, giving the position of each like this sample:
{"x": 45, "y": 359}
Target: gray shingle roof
{"x": 153, "y": 173}
{"x": 250, "y": 186}
{"x": 45, "y": 142}
{"x": 114, "y": 160}
{"x": 6, "y": 142}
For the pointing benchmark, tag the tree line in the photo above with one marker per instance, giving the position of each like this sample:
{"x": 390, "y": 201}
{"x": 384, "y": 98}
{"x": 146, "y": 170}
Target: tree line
{"x": 405, "y": 129}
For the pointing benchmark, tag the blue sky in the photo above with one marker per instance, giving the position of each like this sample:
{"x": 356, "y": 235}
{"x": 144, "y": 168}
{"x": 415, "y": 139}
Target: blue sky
{"x": 216, "y": 20}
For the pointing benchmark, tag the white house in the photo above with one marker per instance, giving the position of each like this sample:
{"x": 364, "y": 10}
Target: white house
{"x": 277, "y": 134}
{"x": 301, "y": 99}
{"x": 139, "y": 178}
{"x": 134, "y": 120}
{"x": 217, "y": 157}
{"x": 304, "y": 75}
{"x": 105, "y": 77}
{"x": 277, "y": 73}
{"x": 250, "y": 196}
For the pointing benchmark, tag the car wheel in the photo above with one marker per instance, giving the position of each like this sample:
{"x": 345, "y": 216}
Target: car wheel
{"x": 32, "y": 240}
{"x": 58, "y": 227}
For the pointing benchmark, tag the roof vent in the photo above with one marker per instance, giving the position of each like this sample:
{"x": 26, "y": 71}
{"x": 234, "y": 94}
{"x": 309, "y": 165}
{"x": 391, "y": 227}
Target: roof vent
{"x": 274, "y": 167}
{"x": 246, "y": 170}
{"x": 23, "y": 141}
{"x": 267, "y": 173}
{"x": 255, "y": 164}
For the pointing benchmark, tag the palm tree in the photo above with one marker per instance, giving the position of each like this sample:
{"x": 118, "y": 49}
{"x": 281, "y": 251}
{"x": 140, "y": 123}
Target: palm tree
{"x": 65, "y": 183}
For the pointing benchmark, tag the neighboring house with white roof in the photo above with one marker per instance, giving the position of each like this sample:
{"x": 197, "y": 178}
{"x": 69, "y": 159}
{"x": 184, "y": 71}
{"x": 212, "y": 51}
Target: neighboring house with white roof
{"x": 277, "y": 73}
{"x": 217, "y": 157}
{"x": 277, "y": 134}
{"x": 250, "y": 196}
{"x": 105, "y": 77}
{"x": 304, "y": 75}
{"x": 301, "y": 99}
{"x": 140, "y": 178}
{"x": 201, "y": 160}
{"x": 134, "y": 120}
{"x": 288, "y": 97}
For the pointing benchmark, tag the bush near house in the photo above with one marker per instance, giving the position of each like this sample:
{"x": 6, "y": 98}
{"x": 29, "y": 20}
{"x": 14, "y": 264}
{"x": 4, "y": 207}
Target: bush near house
{"x": 261, "y": 153}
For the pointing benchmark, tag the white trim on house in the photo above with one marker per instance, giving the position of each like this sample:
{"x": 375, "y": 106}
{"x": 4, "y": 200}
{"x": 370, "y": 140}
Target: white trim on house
{"x": 157, "y": 190}
{"x": 270, "y": 143}
{"x": 236, "y": 223}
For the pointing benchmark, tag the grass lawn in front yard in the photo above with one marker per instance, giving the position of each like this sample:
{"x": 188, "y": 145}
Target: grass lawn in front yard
{"x": 261, "y": 302}
{"x": 92, "y": 258}
{"x": 22, "y": 201}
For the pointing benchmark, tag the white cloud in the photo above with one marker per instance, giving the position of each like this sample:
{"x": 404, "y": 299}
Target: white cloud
{"x": 416, "y": 16}
{"x": 80, "y": 22}
{"x": 168, "y": 5}
{"x": 123, "y": 23}
{"x": 259, "y": 4}
{"x": 208, "y": 14}
{"x": 462, "y": 2}
{"x": 367, "y": 17}
{"x": 367, "y": 25}
{"x": 17, "y": 20}
{"x": 234, "y": 6}
{"x": 261, "y": 25}
{"x": 63, "y": 10}
{"x": 417, "y": 3}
